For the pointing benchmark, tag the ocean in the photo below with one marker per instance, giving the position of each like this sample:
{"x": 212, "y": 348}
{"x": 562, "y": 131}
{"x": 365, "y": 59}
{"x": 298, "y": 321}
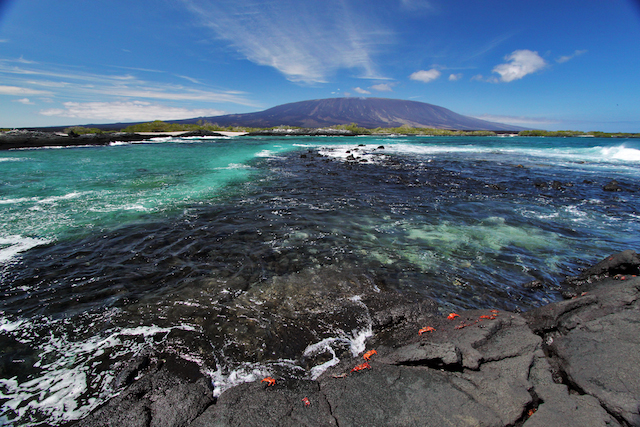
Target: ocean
{"x": 256, "y": 256}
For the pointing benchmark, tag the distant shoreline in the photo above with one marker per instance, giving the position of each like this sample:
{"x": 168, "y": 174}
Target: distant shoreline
{"x": 24, "y": 139}
{"x": 21, "y": 139}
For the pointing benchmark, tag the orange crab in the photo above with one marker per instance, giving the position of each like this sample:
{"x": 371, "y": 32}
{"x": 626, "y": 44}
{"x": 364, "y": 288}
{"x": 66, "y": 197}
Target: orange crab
{"x": 452, "y": 316}
{"x": 306, "y": 401}
{"x": 270, "y": 381}
{"x": 368, "y": 354}
{"x": 487, "y": 317}
{"x": 426, "y": 329}
{"x": 357, "y": 368}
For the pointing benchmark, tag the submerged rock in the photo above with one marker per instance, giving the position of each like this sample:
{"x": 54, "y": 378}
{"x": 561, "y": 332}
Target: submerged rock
{"x": 612, "y": 186}
{"x": 570, "y": 363}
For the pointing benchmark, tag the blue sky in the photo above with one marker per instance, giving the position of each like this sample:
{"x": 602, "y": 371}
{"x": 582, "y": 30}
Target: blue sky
{"x": 559, "y": 64}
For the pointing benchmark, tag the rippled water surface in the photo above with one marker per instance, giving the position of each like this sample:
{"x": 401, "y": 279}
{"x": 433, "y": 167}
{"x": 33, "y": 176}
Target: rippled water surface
{"x": 259, "y": 255}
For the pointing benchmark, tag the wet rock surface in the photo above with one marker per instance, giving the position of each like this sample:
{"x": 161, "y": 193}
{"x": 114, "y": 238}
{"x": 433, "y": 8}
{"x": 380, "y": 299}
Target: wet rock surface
{"x": 570, "y": 363}
{"x": 172, "y": 392}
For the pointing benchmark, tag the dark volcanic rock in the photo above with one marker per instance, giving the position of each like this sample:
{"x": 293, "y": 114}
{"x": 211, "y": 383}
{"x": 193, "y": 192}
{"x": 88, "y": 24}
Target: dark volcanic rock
{"x": 593, "y": 342}
{"x": 35, "y": 139}
{"x": 612, "y": 186}
{"x": 623, "y": 263}
{"x": 173, "y": 394}
{"x": 571, "y": 363}
{"x": 200, "y": 132}
{"x": 256, "y": 404}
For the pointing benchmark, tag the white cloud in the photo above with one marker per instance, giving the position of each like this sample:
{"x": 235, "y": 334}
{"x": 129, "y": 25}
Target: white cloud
{"x": 21, "y": 91}
{"x": 521, "y": 63}
{"x": 362, "y": 91}
{"x": 63, "y": 82}
{"x": 126, "y": 111}
{"x": 24, "y": 101}
{"x": 517, "y": 120}
{"x": 305, "y": 41}
{"x": 425, "y": 76}
{"x": 570, "y": 57}
{"x": 383, "y": 87}
{"x": 455, "y": 77}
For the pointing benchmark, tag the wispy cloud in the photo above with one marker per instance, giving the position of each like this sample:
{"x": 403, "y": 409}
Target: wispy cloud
{"x": 305, "y": 41}
{"x": 518, "y": 120}
{"x": 383, "y": 87}
{"x": 570, "y": 57}
{"x": 21, "y": 91}
{"x": 63, "y": 82}
{"x": 520, "y": 63}
{"x": 425, "y": 76}
{"x": 123, "y": 111}
{"x": 25, "y": 101}
{"x": 455, "y": 77}
{"x": 361, "y": 91}
{"x": 492, "y": 44}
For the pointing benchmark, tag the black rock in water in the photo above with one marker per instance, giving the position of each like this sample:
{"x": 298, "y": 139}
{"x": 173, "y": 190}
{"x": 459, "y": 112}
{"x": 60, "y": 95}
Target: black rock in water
{"x": 612, "y": 186}
{"x": 35, "y": 139}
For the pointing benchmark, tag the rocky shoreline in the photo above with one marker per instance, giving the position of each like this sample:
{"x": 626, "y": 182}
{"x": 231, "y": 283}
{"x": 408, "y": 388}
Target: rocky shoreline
{"x": 16, "y": 139}
{"x": 572, "y": 363}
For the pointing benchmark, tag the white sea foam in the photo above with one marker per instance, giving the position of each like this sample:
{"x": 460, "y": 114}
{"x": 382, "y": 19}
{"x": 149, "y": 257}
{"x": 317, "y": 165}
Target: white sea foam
{"x": 356, "y": 341}
{"x": 9, "y": 326}
{"x": 67, "y": 369}
{"x": 16, "y": 201}
{"x": 621, "y": 152}
{"x": 370, "y": 153}
{"x": 323, "y": 346}
{"x": 234, "y": 166}
{"x": 265, "y": 153}
{"x": 246, "y": 373}
{"x": 11, "y": 246}
{"x": 45, "y": 200}
{"x": 68, "y": 196}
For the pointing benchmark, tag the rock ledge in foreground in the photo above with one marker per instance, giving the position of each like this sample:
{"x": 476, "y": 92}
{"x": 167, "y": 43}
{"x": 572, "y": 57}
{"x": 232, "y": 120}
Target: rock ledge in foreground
{"x": 570, "y": 363}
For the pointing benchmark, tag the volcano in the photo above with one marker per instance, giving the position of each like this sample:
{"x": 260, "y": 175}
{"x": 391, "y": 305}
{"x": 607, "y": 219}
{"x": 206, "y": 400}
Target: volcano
{"x": 365, "y": 112}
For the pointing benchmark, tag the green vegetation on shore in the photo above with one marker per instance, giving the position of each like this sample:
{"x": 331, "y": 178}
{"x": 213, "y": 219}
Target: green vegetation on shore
{"x": 160, "y": 126}
{"x": 81, "y": 130}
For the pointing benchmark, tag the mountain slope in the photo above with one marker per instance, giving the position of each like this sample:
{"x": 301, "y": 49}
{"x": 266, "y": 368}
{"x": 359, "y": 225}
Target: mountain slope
{"x": 366, "y": 112}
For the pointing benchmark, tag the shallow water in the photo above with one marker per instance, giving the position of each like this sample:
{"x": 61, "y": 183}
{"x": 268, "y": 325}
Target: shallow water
{"x": 259, "y": 255}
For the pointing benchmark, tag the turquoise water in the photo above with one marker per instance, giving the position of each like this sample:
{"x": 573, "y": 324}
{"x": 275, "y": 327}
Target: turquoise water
{"x": 245, "y": 254}
{"x": 52, "y": 194}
